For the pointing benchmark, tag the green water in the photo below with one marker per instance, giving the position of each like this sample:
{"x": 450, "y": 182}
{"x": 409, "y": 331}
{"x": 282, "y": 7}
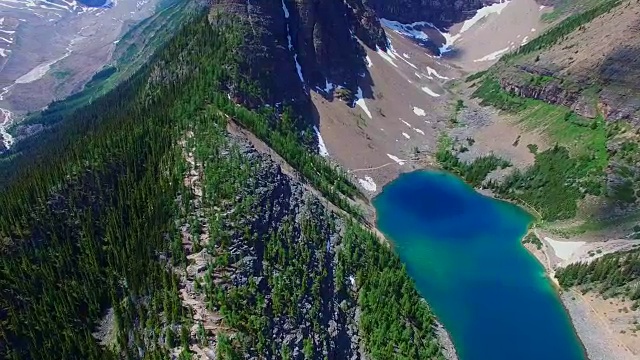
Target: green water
{"x": 463, "y": 251}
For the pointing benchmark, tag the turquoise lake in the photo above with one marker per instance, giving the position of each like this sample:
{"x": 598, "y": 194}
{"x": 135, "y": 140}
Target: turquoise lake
{"x": 463, "y": 251}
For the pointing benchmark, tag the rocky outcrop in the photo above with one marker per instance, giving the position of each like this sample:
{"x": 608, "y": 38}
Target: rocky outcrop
{"x": 552, "y": 92}
{"x": 612, "y": 102}
{"x": 280, "y": 243}
{"x": 264, "y": 56}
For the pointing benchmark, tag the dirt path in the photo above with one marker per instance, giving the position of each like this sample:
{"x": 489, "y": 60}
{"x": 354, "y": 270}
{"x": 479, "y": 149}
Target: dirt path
{"x": 427, "y": 160}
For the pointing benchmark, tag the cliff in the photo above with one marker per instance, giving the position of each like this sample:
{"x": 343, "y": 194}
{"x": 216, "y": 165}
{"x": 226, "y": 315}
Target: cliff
{"x": 299, "y": 45}
{"x": 441, "y": 13}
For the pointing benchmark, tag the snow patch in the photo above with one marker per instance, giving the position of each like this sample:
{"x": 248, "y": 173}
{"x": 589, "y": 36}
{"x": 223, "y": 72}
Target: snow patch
{"x": 407, "y": 29}
{"x": 480, "y": 14}
{"x": 493, "y": 56}
{"x": 525, "y": 40}
{"x": 564, "y": 249}
{"x": 368, "y": 184}
{"x": 328, "y": 86}
{"x": 360, "y": 102}
{"x": 286, "y": 11}
{"x": 430, "y": 92}
{"x": 406, "y": 135}
{"x": 389, "y": 57}
{"x": 406, "y": 55}
{"x": 431, "y": 71}
{"x": 369, "y": 63}
{"x": 418, "y": 111}
{"x": 396, "y": 159}
{"x": 419, "y": 131}
{"x": 4, "y": 52}
{"x": 299, "y": 69}
{"x": 322, "y": 147}
{"x": 406, "y": 123}
{"x": 533, "y": 29}
{"x": 393, "y": 51}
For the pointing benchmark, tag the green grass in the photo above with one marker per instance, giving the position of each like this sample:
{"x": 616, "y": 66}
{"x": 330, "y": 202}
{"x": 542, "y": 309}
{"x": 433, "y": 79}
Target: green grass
{"x": 582, "y": 136}
{"x": 563, "y": 174}
{"x": 593, "y": 225}
{"x": 573, "y": 133}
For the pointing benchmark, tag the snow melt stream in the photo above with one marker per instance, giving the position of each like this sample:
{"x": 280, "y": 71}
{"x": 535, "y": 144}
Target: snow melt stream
{"x": 295, "y": 54}
{"x": 7, "y": 139}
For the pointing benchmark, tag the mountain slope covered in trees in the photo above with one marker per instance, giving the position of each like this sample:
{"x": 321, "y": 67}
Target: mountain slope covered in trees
{"x": 143, "y": 227}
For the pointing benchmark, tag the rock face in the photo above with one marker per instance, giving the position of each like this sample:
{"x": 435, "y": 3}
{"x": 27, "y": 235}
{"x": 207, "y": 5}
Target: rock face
{"x": 612, "y": 93}
{"x": 441, "y": 13}
{"x": 297, "y": 45}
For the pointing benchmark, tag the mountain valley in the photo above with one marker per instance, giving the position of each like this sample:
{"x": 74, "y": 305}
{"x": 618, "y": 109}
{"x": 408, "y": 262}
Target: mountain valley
{"x": 195, "y": 180}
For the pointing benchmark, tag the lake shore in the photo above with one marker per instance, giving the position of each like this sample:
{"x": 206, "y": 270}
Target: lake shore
{"x": 597, "y": 337}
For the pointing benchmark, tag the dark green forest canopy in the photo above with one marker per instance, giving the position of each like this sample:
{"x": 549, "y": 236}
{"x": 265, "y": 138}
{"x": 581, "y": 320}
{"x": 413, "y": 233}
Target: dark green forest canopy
{"x": 611, "y": 275}
{"x": 89, "y": 222}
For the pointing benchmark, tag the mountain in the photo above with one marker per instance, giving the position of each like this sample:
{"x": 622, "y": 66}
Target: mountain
{"x": 51, "y": 49}
{"x": 204, "y": 192}
{"x": 164, "y": 219}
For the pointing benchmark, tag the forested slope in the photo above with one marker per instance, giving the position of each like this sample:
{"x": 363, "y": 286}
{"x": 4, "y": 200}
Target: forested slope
{"x": 141, "y": 228}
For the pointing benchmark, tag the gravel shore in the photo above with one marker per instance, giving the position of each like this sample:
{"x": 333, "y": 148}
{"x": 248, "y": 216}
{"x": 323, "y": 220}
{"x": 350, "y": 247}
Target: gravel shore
{"x": 597, "y": 340}
{"x": 448, "y": 349}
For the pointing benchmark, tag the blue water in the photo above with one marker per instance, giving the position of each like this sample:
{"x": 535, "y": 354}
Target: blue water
{"x": 463, "y": 251}
{"x": 96, "y": 3}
